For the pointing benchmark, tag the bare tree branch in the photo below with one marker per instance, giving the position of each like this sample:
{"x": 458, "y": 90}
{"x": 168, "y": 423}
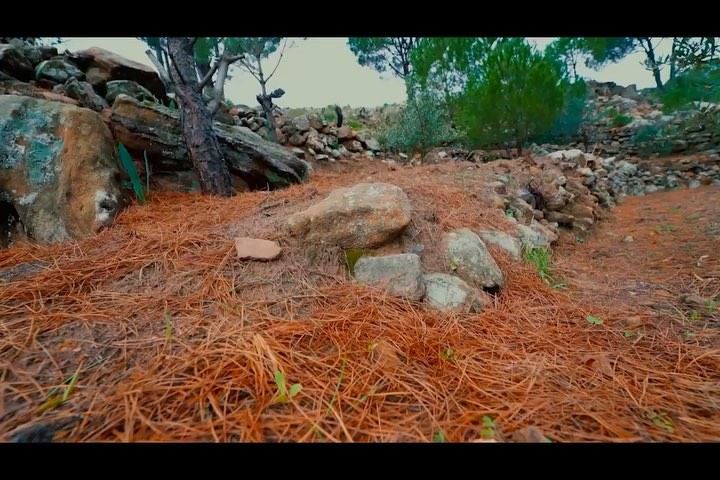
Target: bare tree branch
{"x": 282, "y": 52}
{"x": 164, "y": 76}
{"x": 209, "y": 75}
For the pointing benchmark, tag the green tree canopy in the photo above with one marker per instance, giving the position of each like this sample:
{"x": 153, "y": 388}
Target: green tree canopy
{"x": 383, "y": 53}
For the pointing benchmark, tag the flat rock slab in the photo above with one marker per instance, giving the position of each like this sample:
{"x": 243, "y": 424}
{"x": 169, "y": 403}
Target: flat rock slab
{"x": 399, "y": 275}
{"x": 256, "y": 249}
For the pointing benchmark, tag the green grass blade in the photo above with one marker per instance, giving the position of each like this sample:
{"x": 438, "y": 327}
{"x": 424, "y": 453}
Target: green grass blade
{"x": 129, "y": 166}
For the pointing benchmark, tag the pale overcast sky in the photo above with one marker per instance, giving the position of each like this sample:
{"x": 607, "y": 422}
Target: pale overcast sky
{"x": 316, "y": 72}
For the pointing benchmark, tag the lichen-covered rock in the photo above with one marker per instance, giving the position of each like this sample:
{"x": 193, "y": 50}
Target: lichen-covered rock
{"x": 58, "y": 168}
{"x": 156, "y": 130}
{"x": 14, "y": 63}
{"x": 57, "y": 70}
{"x": 399, "y": 275}
{"x": 102, "y": 66}
{"x": 468, "y": 256}
{"x": 502, "y": 240}
{"x": 450, "y": 293}
{"x": 38, "y": 53}
{"x": 84, "y": 94}
{"x": 365, "y": 215}
{"x": 130, "y": 88}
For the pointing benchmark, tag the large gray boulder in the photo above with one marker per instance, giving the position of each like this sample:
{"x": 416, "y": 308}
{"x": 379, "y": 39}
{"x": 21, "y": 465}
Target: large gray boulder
{"x": 366, "y": 215}
{"x": 102, "y": 66}
{"x": 58, "y": 168}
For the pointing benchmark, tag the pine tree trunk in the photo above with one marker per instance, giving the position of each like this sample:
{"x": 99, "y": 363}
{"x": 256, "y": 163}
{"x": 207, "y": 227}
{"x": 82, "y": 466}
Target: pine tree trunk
{"x": 267, "y": 106}
{"x": 196, "y": 120}
{"x": 652, "y": 61}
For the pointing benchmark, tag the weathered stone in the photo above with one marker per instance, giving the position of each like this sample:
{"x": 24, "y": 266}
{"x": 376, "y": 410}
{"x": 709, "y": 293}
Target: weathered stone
{"x": 84, "y": 94}
{"x": 156, "y": 130}
{"x": 298, "y": 139}
{"x": 345, "y": 133}
{"x": 315, "y": 122}
{"x": 14, "y": 87}
{"x": 521, "y": 209}
{"x": 535, "y": 235}
{"x": 365, "y": 215}
{"x": 256, "y": 249}
{"x": 373, "y": 144}
{"x": 38, "y": 53}
{"x": 506, "y": 242}
{"x": 58, "y": 168}
{"x": 353, "y": 145}
{"x": 573, "y": 155}
{"x": 102, "y": 66}
{"x": 469, "y": 257}
{"x": 181, "y": 181}
{"x": 14, "y": 63}
{"x": 57, "y": 70}
{"x": 302, "y": 123}
{"x": 435, "y": 156}
{"x": 560, "y": 218}
{"x": 450, "y": 293}
{"x": 399, "y": 275}
{"x": 130, "y": 88}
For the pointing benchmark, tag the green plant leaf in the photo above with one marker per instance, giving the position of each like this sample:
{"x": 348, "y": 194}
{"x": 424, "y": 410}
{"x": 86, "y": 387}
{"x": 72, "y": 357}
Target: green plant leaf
{"x": 592, "y": 319}
{"x": 168, "y": 326}
{"x": 295, "y": 389}
{"x": 488, "y": 430}
{"x": 128, "y": 165}
{"x": 71, "y": 386}
{"x": 439, "y": 437}
{"x": 147, "y": 171}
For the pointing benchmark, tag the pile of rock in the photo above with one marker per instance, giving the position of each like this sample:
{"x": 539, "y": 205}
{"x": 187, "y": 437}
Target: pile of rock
{"x": 368, "y": 216}
{"x": 695, "y": 129}
{"x": 308, "y": 135}
{"x": 61, "y": 119}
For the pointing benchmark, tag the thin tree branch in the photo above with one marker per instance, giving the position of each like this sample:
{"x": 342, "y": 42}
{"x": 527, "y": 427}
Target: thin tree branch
{"x": 282, "y": 52}
{"x": 209, "y": 75}
{"x": 164, "y": 75}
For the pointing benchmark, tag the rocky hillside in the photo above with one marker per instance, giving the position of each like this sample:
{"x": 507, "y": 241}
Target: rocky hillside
{"x": 62, "y": 118}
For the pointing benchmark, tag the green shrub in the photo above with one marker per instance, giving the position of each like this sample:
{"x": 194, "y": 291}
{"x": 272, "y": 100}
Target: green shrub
{"x": 354, "y": 124}
{"x": 698, "y": 84}
{"x": 620, "y": 120}
{"x": 574, "y": 111}
{"x": 651, "y": 140}
{"x": 423, "y": 124}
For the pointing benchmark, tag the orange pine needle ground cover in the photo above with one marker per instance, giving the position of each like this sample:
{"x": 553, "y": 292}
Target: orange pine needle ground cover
{"x": 174, "y": 339}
